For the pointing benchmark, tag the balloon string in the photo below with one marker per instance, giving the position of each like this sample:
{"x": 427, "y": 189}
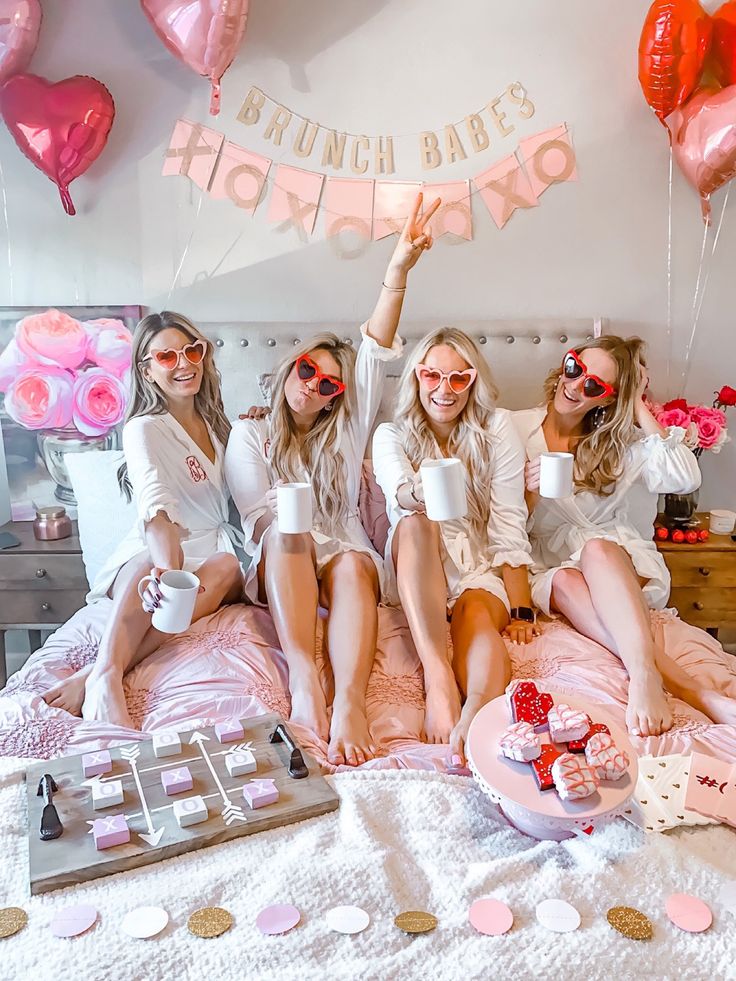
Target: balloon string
{"x": 669, "y": 278}
{"x": 696, "y": 320}
{"x": 693, "y": 321}
{"x": 186, "y": 250}
{"x": 11, "y": 282}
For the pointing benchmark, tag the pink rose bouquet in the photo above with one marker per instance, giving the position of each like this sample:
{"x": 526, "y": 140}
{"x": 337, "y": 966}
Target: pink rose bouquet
{"x": 705, "y": 425}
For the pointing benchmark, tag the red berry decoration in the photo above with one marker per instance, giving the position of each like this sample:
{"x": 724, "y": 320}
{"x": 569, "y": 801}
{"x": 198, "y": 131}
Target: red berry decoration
{"x": 678, "y": 536}
{"x": 703, "y": 535}
{"x": 691, "y": 537}
{"x": 662, "y": 534}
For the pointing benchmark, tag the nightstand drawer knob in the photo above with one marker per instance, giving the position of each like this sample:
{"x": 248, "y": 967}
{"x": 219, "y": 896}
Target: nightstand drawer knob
{"x": 704, "y": 571}
{"x": 699, "y": 606}
{"x": 40, "y": 573}
{"x": 45, "y": 607}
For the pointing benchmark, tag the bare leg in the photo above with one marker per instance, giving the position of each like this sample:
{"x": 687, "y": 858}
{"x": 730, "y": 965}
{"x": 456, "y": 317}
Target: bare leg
{"x": 423, "y": 593}
{"x": 287, "y": 573}
{"x": 349, "y": 588}
{"x": 481, "y": 660}
{"x": 571, "y": 597}
{"x": 222, "y": 579}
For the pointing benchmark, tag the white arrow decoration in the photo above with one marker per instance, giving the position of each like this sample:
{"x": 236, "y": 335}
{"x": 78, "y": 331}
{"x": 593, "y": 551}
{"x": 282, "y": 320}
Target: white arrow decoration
{"x": 230, "y": 812}
{"x": 153, "y": 836}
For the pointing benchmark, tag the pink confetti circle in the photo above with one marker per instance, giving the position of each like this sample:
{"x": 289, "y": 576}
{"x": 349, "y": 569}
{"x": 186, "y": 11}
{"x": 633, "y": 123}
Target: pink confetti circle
{"x": 278, "y": 919}
{"x": 688, "y": 912}
{"x": 491, "y": 917}
{"x": 73, "y": 920}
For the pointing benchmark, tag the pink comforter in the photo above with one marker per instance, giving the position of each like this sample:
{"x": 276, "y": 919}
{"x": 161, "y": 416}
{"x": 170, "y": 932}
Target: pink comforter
{"x": 229, "y": 665}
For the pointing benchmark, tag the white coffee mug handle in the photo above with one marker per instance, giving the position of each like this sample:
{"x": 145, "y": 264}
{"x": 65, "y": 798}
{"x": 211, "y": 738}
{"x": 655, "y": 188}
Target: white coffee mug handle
{"x": 144, "y": 580}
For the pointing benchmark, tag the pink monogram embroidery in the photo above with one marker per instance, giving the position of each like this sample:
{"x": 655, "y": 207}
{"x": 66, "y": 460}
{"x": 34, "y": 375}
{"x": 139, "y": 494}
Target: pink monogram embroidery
{"x": 196, "y": 469}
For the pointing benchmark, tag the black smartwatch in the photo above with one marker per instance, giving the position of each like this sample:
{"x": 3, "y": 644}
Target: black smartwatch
{"x": 522, "y": 613}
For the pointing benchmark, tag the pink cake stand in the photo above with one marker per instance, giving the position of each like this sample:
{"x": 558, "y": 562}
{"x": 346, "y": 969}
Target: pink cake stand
{"x": 514, "y": 788}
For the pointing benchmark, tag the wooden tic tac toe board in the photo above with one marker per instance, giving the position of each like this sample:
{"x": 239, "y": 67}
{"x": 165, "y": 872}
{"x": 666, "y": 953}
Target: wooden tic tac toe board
{"x": 154, "y": 832}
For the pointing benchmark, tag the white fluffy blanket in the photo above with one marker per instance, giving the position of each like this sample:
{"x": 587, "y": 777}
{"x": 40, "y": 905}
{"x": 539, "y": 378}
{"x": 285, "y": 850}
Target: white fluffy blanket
{"x": 400, "y": 841}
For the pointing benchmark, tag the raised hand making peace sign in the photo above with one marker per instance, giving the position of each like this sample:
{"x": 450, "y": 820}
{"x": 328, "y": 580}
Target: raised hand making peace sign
{"x": 416, "y": 236}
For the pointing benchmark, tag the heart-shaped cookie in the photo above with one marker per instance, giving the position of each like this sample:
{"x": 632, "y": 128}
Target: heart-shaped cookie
{"x": 603, "y": 756}
{"x": 543, "y": 766}
{"x": 528, "y": 704}
{"x": 567, "y": 723}
{"x": 578, "y": 745}
{"x": 520, "y": 742}
{"x": 573, "y": 778}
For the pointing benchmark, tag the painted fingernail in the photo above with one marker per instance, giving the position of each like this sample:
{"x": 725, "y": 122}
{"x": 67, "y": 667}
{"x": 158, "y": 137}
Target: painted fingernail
{"x": 456, "y": 759}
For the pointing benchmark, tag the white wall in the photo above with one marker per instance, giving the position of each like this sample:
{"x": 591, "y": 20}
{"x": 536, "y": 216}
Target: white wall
{"x": 597, "y": 247}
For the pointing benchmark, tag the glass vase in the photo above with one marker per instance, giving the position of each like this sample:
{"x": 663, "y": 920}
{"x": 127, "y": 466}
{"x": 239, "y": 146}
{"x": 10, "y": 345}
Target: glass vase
{"x": 679, "y": 509}
{"x": 54, "y": 444}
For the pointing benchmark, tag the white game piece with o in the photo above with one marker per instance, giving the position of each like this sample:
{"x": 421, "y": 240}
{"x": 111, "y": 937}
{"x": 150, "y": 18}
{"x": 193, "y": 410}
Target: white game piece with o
{"x": 166, "y": 743}
{"x": 240, "y": 761}
{"x": 191, "y": 810}
{"x": 107, "y": 793}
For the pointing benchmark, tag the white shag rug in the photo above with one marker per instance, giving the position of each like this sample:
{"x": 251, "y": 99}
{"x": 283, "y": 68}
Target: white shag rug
{"x": 401, "y": 840}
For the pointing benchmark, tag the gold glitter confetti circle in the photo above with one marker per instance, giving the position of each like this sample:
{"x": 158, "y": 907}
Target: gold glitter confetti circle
{"x": 211, "y": 921}
{"x": 630, "y": 922}
{"x": 415, "y": 921}
{"x": 12, "y": 920}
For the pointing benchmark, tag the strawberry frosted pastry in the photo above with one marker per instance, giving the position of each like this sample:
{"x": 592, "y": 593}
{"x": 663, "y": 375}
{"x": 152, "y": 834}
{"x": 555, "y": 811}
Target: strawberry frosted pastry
{"x": 520, "y": 742}
{"x": 603, "y": 756}
{"x": 567, "y": 723}
{"x": 573, "y": 778}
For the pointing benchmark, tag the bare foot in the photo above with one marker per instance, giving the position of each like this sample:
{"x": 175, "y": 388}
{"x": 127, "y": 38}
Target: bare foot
{"x": 350, "y": 739}
{"x": 104, "y": 699}
{"x": 648, "y": 713}
{"x": 68, "y": 695}
{"x": 442, "y": 710}
{"x": 718, "y": 707}
{"x": 308, "y": 705}
{"x": 473, "y": 705}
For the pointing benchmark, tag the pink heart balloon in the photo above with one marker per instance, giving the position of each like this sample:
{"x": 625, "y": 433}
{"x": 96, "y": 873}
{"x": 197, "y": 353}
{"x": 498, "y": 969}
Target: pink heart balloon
{"x": 20, "y": 22}
{"x": 204, "y": 34}
{"x": 704, "y": 141}
{"x": 62, "y": 128}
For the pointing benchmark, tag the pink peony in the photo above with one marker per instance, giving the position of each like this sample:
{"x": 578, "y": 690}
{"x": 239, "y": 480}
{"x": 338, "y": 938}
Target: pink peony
{"x": 709, "y": 433}
{"x": 701, "y": 412}
{"x": 41, "y": 398}
{"x": 52, "y": 338}
{"x": 99, "y": 402}
{"x": 674, "y": 417}
{"x": 12, "y": 362}
{"x": 110, "y": 344}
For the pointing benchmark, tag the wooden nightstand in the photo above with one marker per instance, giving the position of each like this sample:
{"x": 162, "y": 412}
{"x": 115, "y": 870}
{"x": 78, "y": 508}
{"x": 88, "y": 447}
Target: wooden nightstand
{"x": 703, "y": 580}
{"x": 41, "y": 585}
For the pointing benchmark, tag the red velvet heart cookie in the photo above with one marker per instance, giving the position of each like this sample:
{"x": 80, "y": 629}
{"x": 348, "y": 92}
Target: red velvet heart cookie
{"x": 543, "y": 766}
{"x": 578, "y": 745}
{"x": 528, "y": 704}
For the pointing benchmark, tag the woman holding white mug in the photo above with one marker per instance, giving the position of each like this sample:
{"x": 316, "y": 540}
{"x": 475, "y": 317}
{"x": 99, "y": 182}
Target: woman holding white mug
{"x": 595, "y": 560}
{"x": 324, "y": 401}
{"x": 474, "y": 564}
{"x": 174, "y": 442}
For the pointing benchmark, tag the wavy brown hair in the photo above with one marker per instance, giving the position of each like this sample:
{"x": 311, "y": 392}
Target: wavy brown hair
{"x": 609, "y": 428}
{"x": 147, "y": 399}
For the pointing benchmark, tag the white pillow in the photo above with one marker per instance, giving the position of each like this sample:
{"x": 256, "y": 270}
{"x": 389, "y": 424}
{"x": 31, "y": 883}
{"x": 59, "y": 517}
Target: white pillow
{"x": 104, "y": 516}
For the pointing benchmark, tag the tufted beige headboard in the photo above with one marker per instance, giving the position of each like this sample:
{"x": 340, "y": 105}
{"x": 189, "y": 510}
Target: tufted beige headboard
{"x": 520, "y": 353}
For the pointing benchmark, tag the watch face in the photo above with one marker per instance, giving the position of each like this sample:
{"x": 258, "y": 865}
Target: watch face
{"x": 523, "y": 613}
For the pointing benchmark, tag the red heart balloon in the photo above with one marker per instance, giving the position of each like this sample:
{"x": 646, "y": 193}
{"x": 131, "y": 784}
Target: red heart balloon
{"x": 61, "y": 127}
{"x": 723, "y": 52}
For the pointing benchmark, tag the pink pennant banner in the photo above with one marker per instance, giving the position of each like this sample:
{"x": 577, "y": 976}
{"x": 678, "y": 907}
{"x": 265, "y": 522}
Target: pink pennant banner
{"x": 392, "y": 204}
{"x": 241, "y": 176}
{"x": 193, "y": 151}
{"x": 504, "y": 188}
{"x": 294, "y": 199}
{"x": 455, "y": 214}
{"x": 548, "y": 158}
{"x": 348, "y": 207}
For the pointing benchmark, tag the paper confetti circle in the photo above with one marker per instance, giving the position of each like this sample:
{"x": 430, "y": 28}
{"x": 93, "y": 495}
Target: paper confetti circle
{"x": 630, "y": 922}
{"x": 347, "y": 919}
{"x": 491, "y": 917}
{"x": 144, "y": 922}
{"x": 558, "y": 916}
{"x": 210, "y": 921}
{"x": 73, "y": 920}
{"x": 416, "y": 921}
{"x": 688, "y": 912}
{"x": 12, "y": 920}
{"x": 278, "y": 919}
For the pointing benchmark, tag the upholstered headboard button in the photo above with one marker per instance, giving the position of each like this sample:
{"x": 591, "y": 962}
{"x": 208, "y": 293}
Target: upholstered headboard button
{"x": 219, "y": 342}
{"x": 244, "y": 342}
{"x": 271, "y": 342}
{"x": 536, "y": 340}
{"x": 482, "y": 339}
{"x": 563, "y": 338}
{"x": 296, "y": 342}
{"x": 510, "y": 339}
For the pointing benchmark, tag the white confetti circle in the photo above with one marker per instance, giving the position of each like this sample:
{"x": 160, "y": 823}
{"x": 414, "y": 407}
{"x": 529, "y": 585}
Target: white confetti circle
{"x": 144, "y": 922}
{"x": 347, "y": 919}
{"x": 558, "y": 916}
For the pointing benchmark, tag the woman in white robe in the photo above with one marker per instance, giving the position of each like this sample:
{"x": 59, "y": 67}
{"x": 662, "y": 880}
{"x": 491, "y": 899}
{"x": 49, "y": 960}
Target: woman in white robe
{"x": 174, "y": 445}
{"x": 595, "y": 560}
{"x": 324, "y": 403}
{"x": 472, "y": 569}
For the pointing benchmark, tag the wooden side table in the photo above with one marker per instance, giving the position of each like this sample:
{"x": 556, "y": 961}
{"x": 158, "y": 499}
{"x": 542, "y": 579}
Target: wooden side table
{"x": 703, "y": 580}
{"x": 41, "y": 585}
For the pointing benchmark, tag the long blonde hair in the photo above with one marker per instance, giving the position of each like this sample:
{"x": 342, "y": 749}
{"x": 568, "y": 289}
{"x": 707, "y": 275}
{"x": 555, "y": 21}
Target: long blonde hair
{"x": 608, "y": 430}
{"x": 147, "y": 399}
{"x": 469, "y": 439}
{"x": 320, "y": 450}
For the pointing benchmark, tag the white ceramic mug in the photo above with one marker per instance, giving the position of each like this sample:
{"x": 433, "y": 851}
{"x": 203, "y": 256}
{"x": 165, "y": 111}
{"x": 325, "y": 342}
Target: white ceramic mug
{"x": 443, "y": 483}
{"x": 555, "y": 475}
{"x": 178, "y": 595}
{"x": 294, "y": 504}
{"x": 722, "y": 522}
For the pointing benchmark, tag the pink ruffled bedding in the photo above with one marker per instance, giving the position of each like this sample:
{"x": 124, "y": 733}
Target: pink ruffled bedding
{"x": 229, "y": 665}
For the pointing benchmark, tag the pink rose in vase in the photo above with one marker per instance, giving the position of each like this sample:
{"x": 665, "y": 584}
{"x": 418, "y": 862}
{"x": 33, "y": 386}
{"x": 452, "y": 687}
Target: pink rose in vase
{"x": 674, "y": 417}
{"x": 110, "y": 344}
{"x": 12, "y": 363}
{"x": 41, "y": 398}
{"x": 99, "y": 402}
{"x": 52, "y": 338}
